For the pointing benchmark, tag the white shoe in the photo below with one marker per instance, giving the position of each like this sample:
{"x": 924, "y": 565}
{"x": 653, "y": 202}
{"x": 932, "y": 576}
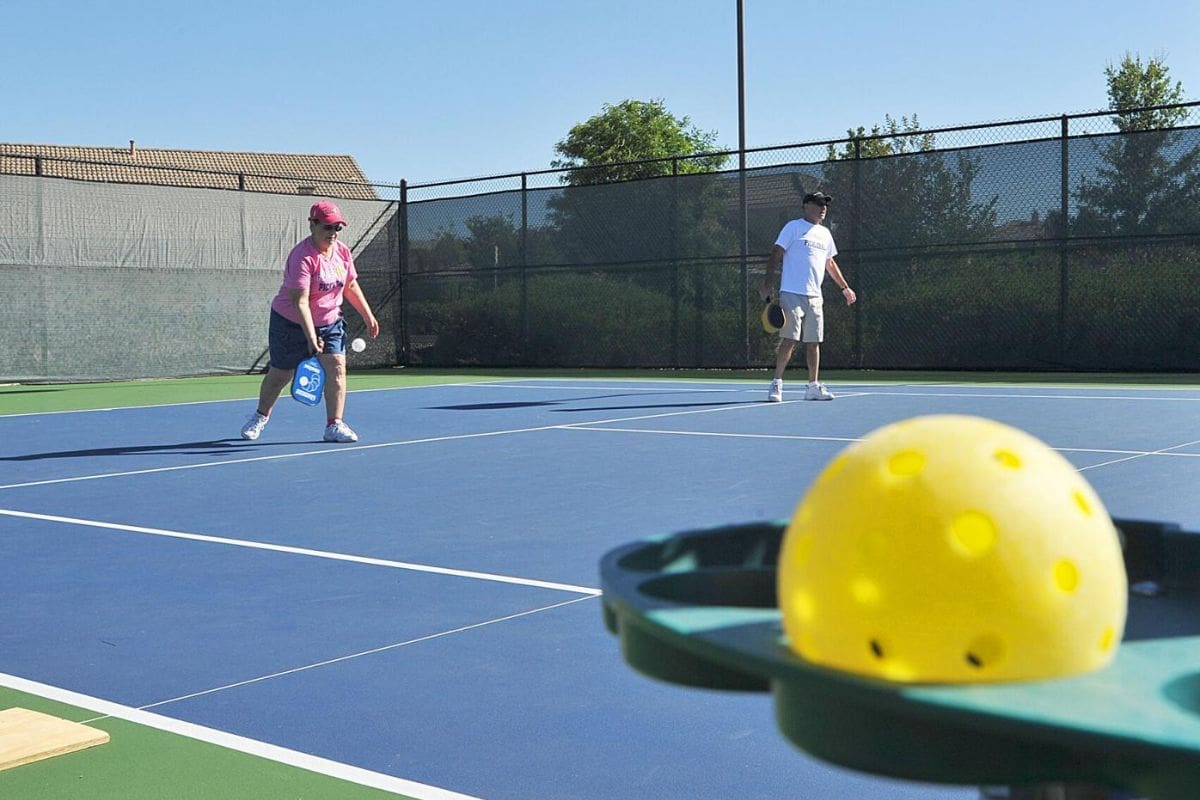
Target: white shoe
{"x": 254, "y": 426}
{"x": 339, "y": 432}
{"x": 776, "y": 393}
{"x": 817, "y": 391}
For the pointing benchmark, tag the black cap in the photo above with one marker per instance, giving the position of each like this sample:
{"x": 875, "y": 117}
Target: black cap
{"x": 818, "y": 197}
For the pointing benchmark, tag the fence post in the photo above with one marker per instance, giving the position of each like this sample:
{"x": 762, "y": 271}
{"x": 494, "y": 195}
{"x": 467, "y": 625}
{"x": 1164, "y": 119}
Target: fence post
{"x": 855, "y": 221}
{"x": 744, "y": 251}
{"x": 1064, "y": 232}
{"x": 524, "y": 267}
{"x": 674, "y": 244}
{"x": 402, "y": 265}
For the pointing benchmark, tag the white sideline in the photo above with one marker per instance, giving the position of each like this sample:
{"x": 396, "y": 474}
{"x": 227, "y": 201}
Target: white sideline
{"x": 241, "y": 744}
{"x": 303, "y": 551}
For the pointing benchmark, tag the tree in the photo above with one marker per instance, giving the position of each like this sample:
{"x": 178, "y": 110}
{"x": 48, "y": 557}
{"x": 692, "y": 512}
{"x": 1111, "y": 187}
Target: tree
{"x": 895, "y": 138}
{"x": 909, "y": 194}
{"x": 662, "y": 224}
{"x": 641, "y": 219}
{"x": 1134, "y": 89}
{"x": 619, "y": 143}
{"x": 1147, "y": 183}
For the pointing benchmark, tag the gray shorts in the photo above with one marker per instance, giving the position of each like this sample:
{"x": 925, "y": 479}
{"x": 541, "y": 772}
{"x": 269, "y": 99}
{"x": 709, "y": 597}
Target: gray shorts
{"x": 805, "y": 317}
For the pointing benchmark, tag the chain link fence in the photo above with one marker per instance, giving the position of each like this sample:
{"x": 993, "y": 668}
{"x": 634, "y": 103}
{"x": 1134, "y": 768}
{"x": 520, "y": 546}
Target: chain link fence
{"x": 1059, "y": 243}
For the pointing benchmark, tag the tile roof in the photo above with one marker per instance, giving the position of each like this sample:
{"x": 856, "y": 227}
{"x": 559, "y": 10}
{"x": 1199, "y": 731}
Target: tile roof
{"x": 280, "y": 173}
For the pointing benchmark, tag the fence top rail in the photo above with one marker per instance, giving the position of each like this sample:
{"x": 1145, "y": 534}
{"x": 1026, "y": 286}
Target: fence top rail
{"x": 524, "y": 174}
{"x": 816, "y": 143}
{"x": 194, "y": 170}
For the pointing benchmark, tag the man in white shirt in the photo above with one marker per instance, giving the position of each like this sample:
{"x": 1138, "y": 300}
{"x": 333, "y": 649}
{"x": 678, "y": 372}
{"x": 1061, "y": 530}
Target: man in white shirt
{"x": 805, "y": 249}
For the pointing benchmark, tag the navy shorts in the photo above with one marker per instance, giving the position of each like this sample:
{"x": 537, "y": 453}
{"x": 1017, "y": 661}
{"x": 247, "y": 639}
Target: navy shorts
{"x": 289, "y": 345}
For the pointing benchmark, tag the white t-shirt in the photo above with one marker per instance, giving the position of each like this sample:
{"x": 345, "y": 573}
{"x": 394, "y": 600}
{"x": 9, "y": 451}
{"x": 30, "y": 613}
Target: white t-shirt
{"x": 806, "y": 250}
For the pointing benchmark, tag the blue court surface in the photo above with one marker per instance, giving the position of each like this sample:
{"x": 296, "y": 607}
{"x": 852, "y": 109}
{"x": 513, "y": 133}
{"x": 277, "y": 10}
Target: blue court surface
{"x": 423, "y": 604}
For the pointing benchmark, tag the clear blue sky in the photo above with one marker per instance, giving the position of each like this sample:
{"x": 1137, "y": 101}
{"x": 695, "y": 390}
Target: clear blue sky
{"x": 433, "y": 89}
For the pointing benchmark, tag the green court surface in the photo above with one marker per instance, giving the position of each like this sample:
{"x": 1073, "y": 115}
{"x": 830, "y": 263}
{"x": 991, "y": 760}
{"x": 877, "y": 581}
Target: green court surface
{"x": 143, "y": 763}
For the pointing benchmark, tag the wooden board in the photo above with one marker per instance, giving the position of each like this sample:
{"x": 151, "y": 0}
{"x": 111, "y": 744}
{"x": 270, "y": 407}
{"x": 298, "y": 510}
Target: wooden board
{"x": 27, "y": 736}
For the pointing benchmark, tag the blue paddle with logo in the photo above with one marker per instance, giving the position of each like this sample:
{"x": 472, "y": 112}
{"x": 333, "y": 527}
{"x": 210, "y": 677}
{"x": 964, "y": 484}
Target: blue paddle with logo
{"x": 309, "y": 381}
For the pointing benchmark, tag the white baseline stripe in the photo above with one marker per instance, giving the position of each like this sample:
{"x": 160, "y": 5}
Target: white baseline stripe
{"x": 582, "y": 423}
{"x": 303, "y": 551}
{"x": 1130, "y": 454}
{"x": 663, "y": 388}
{"x": 725, "y": 435}
{"x": 241, "y": 744}
{"x": 327, "y": 450}
{"x": 523, "y": 383}
{"x": 324, "y": 451}
{"x": 1025, "y": 396}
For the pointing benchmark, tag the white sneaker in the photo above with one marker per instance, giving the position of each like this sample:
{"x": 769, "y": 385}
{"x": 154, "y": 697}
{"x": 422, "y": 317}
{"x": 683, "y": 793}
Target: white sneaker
{"x": 254, "y": 426}
{"x": 776, "y": 393}
{"x": 817, "y": 391}
{"x": 339, "y": 432}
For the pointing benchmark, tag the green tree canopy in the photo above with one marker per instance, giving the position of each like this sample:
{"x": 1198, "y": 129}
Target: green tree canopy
{"x": 1149, "y": 179}
{"x": 600, "y": 149}
{"x": 613, "y": 211}
{"x": 907, "y": 193}
{"x": 894, "y": 138}
{"x": 1133, "y": 88}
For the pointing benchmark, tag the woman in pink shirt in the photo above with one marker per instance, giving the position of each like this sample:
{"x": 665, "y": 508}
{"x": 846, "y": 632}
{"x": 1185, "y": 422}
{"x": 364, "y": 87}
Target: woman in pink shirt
{"x": 306, "y": 318}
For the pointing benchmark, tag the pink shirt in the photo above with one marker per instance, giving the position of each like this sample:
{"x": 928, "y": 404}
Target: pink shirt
{"x": 325, "y": 277}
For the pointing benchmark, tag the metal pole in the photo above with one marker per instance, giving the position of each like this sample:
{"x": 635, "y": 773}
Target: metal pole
{"x": 674, "y": 262}
{"x": 1064, "y": 232}
{"x": 404, "y": 351}
{"x": 745, "y": 233}
{"x": 859, "y": 271}
{"x": 525, "y": 355}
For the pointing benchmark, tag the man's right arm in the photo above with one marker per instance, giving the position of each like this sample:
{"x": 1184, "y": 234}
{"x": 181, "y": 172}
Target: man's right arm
{"x": 770, "y": 284}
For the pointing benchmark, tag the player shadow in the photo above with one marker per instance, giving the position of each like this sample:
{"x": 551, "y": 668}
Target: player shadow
{"x": 658, "y": 405}
{"x": 527, "y": 403}
{"x": 213, "y": 447}
{"x": 493, "y": 406}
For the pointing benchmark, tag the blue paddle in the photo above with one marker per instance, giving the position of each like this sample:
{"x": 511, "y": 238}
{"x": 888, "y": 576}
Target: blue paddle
{"x": 308, "y": 382}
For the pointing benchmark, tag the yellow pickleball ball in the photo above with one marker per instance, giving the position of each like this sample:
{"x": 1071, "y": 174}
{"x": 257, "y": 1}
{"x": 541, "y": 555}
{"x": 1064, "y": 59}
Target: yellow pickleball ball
{"x": 952, "y": 549}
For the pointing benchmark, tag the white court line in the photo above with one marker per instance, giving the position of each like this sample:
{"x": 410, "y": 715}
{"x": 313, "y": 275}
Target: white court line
{"x": 1130, "y": 454}
{"x": 1150, "y": 387}
{"x": 748, "y": 384}
{"x": 241, "y": 744}
{"x": 246, "y": 399}
{"x": 372, "y": 651}
{"x": 303, "y": 551}
{"x": 327, "y": 450}
{"x": 665, "y": 388}
{"x": 1024, "y": 396}
{"x": 665, "y": 432}
{"x": 1130, "y": 457}
{"x": 455, "y": 437}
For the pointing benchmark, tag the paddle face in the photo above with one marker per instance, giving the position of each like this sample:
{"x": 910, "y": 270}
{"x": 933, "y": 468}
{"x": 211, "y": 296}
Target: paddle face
{"x": 308, "y": 382}
{"x": 773, "y": 318}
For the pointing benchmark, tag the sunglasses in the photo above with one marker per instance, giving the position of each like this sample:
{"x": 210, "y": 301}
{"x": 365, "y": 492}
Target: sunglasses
{"x": 335, "y": 227}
